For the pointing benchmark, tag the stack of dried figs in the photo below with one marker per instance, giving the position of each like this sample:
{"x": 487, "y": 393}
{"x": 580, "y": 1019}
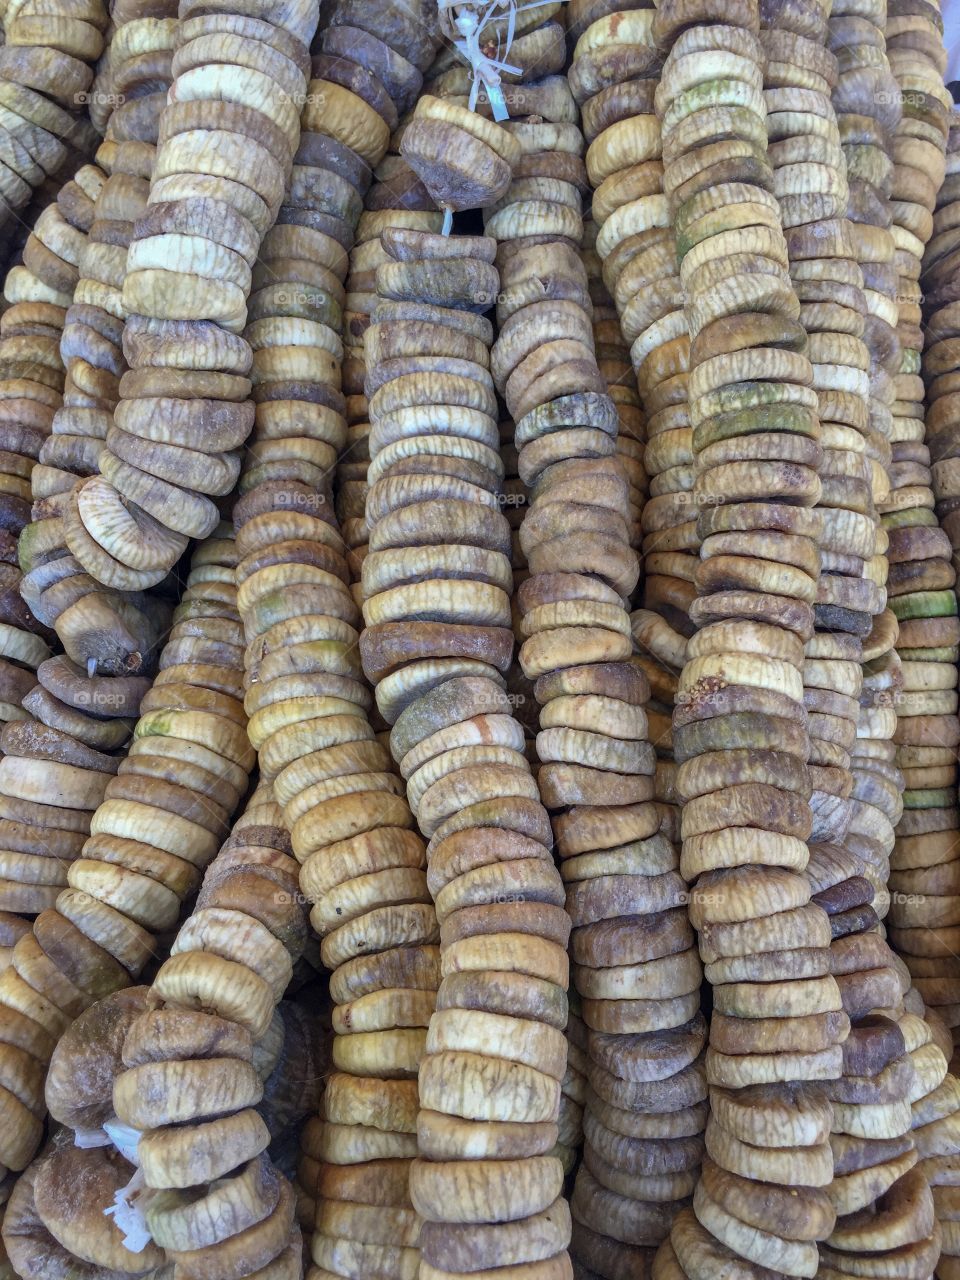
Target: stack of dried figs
{"x": 478, "y": 541}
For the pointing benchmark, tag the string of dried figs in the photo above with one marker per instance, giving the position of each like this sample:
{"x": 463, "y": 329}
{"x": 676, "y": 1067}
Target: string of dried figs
{"x": 613, "y": 361}
{"x": 38, "y": 291}
{"x": 197, "y": 1057}
{"x": 45, "y": 74}
{"x": 531, "y": 90}
{"x": 739, "y": 729}
{"x": 520, "y": 694}
{"x": 614, "y": 76}
{"x": 866, "y": 109}
{"x": 574, "y": 1087}
{"x": 922, "y": 578}
{"x": 415, "y": 209}
{"x": 67, "y": 758}
{"x": 166, "y": 357}
{"x": 926, "y": 858}
{"x": 809, "y": 176}
{"x": 363, "y": 869}
{"x": 227, "y": 136}
{"x": 894, "y": 1081}
{"x": 642, "y": 213}
{"x": 870, "y": 1120}
{"x": 362, "y": 1121}
{"x": 895, "y": 1073}
{"x": 57, "y": 585}
{"x": 162, "y": 818}
{"x": 382, "y": 44}
{"x": 639, "y": 989}
{"x": 66, "y": 1199}
{"x": 922, "y": 573}
{"x": 852, "y": 795}
{"x": 49, "y": 785}
{"x": 490, "y": 1080}
{"x": 870, "y": 1139}
{"x": 310, "y": 724}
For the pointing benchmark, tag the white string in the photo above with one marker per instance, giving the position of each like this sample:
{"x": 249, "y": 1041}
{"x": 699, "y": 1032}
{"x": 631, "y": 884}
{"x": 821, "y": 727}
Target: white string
{"x": 466, "y": 31}
{"x": 128, "y": 1216}
{"x": 486, "y": 71}
{"x": 130, "y": 1202}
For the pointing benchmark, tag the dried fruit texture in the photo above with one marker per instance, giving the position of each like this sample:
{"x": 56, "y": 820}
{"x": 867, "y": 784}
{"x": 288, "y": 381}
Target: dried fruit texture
{"x": 72, "y": 1188}
{"x": 922, "y": 579}
{"x": 57, "y": 765}
{"x": 636, "y": 277}
{"x": 191, "y": 757}
{"x": 854, "y": 793}
{"x": 719, "y": 357}
{"x": 798, "y": 1016}
{"x": 130, "y": 549}
{"x": 54, "y": 779}
{"x": 363, "y": 866}
{"x": 922, "y": 532}
{"x": 464, "y": 160}
{"x": 130, "y": 859}
{"x": 220, "y": 146}
{"x": 494, "y": 1058}
{"x": 635, "y": 966}
{"x": 31, "y": 1248}
{"x": 201, "y": 1084}
{"x": 46, "y": 73}
{"x": 32, "y": 383}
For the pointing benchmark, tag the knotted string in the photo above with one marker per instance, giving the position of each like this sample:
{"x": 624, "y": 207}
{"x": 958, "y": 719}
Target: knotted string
{"x": 466, "y": 31}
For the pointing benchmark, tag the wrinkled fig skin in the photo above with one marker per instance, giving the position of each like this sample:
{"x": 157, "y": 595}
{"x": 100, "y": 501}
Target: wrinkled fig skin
{"x": 921, "y": 586}
{"x": 852, "y": 798}
{"x": 362, "y": 867}
{"x": 79, "y": 609}
{"x": 47, "y": 69}
{"x": 170, "y": 449}
{"x": 166, "y": 810}
{"x": 573, "y": 448}
{"x": 32, "y": 384}
{"x": 494, "y": 1055}
{"x": 755, "y": 746}
{"x": 129, "y": 861}
{"x": 922, "y": 582}
{"x": 209, "y": 1050}
{"x": 57, "y": 769}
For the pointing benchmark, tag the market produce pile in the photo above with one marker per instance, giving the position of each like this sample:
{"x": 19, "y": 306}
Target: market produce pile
{"x": 479, "y": 640}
